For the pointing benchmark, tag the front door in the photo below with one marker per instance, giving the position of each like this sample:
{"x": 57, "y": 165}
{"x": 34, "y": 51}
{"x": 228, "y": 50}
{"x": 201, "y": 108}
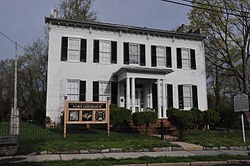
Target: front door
{"x": 138, "y": 100}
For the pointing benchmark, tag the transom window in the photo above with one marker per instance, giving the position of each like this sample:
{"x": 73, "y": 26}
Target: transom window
{"x": 185, "y": 58}
{"x": 187, "y": 95}
{"x": 74, "y": 49}
{"x": 134, "y": 53}
{"x": 161, "y": 56}
{"x": 105, "y": 51}
{"x": 104, "y": 90}
{"x": 72, "y": 90}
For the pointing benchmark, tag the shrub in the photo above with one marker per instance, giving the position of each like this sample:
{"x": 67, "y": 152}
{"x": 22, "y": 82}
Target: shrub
{"x": 228, "y": 118}
{"x": 119, "y": 117}
{"x": 197, "y": 118}
{"x": 211, "y": 117}
{"x": 144, "y": 118}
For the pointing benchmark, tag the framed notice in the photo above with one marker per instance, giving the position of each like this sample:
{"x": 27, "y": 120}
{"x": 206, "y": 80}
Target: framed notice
{"x": 87, "y": 116}
{"x": 73, "y": 115}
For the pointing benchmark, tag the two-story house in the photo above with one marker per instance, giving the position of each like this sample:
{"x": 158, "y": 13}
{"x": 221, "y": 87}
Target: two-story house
{"x": 139, "y": 68}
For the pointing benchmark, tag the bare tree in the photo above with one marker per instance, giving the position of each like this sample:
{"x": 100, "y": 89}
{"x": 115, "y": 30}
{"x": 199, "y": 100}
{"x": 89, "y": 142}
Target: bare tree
{"x": 79, "y": 10}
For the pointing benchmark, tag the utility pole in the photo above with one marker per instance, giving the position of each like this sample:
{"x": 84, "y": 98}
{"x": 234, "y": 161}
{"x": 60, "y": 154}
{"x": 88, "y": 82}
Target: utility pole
{"x": 14, "y": 120}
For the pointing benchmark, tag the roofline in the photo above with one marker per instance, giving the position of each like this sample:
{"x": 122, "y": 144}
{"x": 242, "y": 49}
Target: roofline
{"x": 124, "y": 28}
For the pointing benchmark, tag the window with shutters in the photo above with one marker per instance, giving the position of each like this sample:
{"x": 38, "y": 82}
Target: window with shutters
{"x": 104, "y": 90}
{"x": 72, "y": 90}
{"x": 161, "y": 56}
{"x": 105, "y": 51}
{"x": 185, "y": 59}
{"x": 74, "y": 49}
{"x": 134, "y": 53}
{"x": 187, "y": 96}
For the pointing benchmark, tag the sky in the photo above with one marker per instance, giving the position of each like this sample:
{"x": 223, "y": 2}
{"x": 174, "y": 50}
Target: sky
{"x": 23, "y": 20}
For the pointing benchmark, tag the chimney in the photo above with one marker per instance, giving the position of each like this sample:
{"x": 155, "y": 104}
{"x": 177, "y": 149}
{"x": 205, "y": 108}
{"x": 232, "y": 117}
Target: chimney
{"x": 53, "y": 13}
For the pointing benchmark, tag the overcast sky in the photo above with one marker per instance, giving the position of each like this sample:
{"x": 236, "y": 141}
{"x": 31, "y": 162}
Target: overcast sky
{"x": 23, "y": 20}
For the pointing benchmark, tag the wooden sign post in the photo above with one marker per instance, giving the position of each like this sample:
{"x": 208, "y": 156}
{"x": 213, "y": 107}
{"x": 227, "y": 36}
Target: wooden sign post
{"x": 76, "y": 112}
{"x": 241, "y": 104}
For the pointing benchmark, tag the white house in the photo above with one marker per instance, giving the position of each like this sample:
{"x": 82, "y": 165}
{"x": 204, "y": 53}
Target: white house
{"x": 138, "y": 68}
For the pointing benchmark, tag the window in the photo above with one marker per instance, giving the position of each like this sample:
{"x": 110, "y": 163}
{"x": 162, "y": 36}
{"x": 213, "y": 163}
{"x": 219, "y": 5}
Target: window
{"x": 73, "y": 49}
{"x": 186, "y": 58}
{"x": 187, "y": 96}
{"x": 161, "y": 56}
{"x": 104, "y": 90}
{"x": 73, "y": 90}
{"x": 105, "y": 51}
{"x": 134, "y": 53}
{"x": 76, "y": 90}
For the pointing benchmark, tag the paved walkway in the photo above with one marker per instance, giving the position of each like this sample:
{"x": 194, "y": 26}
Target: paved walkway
{"x": 123, "y": 155}
{"x": 188, "y": 146}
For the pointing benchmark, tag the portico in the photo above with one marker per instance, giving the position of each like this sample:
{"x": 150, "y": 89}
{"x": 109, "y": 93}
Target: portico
{"x": 142, "y": 89}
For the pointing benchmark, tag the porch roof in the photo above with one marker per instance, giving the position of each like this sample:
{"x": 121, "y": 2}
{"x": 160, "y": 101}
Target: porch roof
{"x": 142, "y": 70}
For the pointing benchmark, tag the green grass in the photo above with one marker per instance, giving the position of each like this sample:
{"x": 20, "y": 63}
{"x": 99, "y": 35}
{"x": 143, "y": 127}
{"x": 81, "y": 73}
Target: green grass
{"x": 35, "y": 138}
{"x": 140, "y": 160}
{"x": 210, "y": 138}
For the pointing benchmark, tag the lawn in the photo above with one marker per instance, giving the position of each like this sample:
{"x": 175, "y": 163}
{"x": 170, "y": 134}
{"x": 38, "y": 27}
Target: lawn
{"x": 213, "y": 138}
{"x": 34, "y": 138}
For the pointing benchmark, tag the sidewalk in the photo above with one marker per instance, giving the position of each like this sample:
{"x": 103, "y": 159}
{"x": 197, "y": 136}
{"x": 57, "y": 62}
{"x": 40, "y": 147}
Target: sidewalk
{"x": 122, "y": 155}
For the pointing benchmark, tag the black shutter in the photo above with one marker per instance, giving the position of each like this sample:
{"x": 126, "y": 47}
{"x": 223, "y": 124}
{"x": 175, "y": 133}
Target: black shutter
{"x": 83, "y": 51}
{"x": 195, "y": 96}
{"x": 193, "y": 62}
{"x": 113, "y": 52}
{"x": 95, "y": 91}
{"x": 168, "y": 57}
{"x": 179, "y": 63}
{"x": 82, "y": 90}
{"x": 154, "y": 96}
{"x": 64, "y": 49}
{"x": 180, "y": 96}
{"x": 170, "y": 95}
{"x": 96, "y": 51}
{"x": 153, "y": 56}
{"x": 125, "y": 53}
{"x": 142, "y": 55}
{"x": 114, "y": 92}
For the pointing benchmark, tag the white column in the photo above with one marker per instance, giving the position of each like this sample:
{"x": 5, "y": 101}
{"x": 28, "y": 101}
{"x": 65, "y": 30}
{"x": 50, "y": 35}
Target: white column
{"x": 159, "y": 97}
{"x": 164, "y": 99}
{"x": 146, "y": 97}
{"x": 128, "y": 93}
{"x": 133, "y": 94}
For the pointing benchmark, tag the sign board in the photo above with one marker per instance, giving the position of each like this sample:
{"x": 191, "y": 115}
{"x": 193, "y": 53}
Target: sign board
{"x": 86, "y": 113}
{"x": 241, "y": 103}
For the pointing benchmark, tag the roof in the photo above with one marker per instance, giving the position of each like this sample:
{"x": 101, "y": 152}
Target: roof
{"x": 147, "y": 70}
{"x": 124, "y": 28}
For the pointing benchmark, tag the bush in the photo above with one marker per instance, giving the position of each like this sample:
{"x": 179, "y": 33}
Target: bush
{"x": 197, "y": 118}
{"x": 211, "y": 117}
{"x": 119, "y": 117}
{"x": 228, "y": 118}
{"x": 144, "y": 118}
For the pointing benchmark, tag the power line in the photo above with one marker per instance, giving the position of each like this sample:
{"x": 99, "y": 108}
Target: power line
{"x": 219, "y": 7}
{"x": 13, "y": 41}
{"x": 203, "y": 8}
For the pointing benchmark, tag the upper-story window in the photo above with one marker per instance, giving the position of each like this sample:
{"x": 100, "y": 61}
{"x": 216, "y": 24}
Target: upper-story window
{"x": 73, "y": 49}
{"x": 161, "y": 56}
{"x": 105, "y": 51}
{"x": 134, "y": 53}
{"x": 186, "y": 58}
